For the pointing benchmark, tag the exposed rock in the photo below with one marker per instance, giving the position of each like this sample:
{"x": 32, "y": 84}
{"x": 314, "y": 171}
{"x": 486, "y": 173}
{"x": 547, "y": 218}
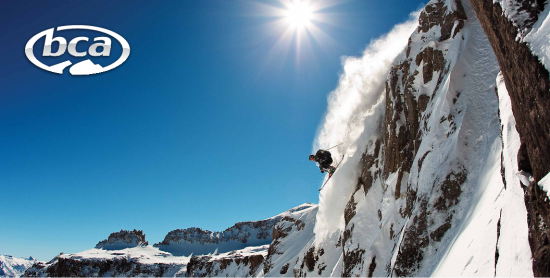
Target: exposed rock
{"x": 435, "y": 14}
{"x": 284, "y": 269}
{"x": 433, "y": 61}
{"x": 290, "y": 236}
{"x": 123, "y": 239}
{"x": 353, "y": 258}
{"x": 119, "y": 266}
{"x": 311, "y": 259}
{"x": 450, "y": 190}
{"x": 416, "y": 238}
{"x": 528, "y": 84}
{"x": 372, "y": 266}
{"x": 242, "y": 263}
{"x": 440, "y": 231}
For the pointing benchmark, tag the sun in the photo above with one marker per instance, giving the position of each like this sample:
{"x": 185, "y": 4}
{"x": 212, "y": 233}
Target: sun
{"x": 299, "y": 14}
{"x": 298, "y": 24}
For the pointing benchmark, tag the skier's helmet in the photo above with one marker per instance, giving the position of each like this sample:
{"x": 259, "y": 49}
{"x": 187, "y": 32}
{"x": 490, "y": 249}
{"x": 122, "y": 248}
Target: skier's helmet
{"x": 311, "y": 157}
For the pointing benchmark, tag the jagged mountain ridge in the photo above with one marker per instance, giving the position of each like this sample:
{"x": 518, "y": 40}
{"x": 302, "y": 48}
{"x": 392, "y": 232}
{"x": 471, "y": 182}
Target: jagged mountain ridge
{"x": 14, "y": 267}
{"x": 184, "y": 242}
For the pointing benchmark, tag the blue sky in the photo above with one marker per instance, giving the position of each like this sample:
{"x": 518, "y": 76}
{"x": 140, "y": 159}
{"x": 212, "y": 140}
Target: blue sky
{"x": 209, "y": 122}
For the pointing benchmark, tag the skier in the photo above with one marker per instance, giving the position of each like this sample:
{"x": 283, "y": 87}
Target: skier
{"x": 324, "y": 158}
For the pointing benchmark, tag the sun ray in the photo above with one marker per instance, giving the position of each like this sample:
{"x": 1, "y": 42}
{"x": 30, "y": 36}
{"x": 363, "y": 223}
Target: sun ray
{"x": 298, "y": 24}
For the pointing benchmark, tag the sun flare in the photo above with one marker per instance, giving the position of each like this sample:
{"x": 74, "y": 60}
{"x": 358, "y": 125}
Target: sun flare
{"x": 299, "y": 14}
{"x": 299, "y": 24}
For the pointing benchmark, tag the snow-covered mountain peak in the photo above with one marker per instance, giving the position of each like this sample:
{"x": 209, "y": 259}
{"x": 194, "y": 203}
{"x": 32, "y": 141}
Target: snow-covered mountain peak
{"x": 14, "y": 267}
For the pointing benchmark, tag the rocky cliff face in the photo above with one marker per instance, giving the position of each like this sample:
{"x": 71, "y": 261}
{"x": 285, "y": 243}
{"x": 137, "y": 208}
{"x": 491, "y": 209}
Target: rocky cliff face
{"x": 184, "y": 242}
{"x": 123, "y": 239}
{"x": 432, "y": 175}
{"x": 527, "y": 82}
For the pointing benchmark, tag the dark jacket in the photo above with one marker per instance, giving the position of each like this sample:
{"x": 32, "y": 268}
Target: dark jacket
{"x": 324, "y": 158}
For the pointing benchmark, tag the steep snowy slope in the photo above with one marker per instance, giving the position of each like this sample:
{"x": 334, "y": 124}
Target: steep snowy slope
{"x": 421, "y": 190}
{"x": 14, "y": 267}
{"x": 519, "y": 33}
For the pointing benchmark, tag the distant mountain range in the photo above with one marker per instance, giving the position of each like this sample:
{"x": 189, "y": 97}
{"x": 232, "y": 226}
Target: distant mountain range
{"x": 238, "y": 251}
{"x": 14, "y": 267}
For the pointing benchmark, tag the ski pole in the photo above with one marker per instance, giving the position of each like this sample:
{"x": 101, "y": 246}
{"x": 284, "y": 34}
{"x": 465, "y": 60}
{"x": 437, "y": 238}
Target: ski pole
{"x": 335, "y": 146}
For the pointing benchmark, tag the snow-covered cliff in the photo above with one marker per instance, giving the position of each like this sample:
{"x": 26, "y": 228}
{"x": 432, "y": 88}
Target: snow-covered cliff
{"x": 430, "y": 184}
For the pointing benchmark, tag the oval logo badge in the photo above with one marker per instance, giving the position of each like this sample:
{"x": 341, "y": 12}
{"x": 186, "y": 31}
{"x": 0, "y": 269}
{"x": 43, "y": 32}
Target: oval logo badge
{"x": 86, "y": 67}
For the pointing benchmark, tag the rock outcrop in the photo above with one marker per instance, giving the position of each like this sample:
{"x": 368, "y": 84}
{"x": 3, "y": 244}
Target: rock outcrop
{"x": 123, "y": 239}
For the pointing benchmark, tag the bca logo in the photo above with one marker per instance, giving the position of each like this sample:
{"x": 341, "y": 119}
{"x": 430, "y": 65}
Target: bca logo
{"x": 101, "y": 47}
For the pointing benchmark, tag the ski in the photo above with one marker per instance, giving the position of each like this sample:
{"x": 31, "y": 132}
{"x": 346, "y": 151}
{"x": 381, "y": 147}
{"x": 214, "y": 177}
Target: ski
{"x": 330, "y": 176}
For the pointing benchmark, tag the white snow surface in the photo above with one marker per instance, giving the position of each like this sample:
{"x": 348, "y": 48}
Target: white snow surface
{"x": 14, "y": 267}
{"x": 143, "y": 254}
{"x": 472, "y": 252}
{"x": 545, "y": 184}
